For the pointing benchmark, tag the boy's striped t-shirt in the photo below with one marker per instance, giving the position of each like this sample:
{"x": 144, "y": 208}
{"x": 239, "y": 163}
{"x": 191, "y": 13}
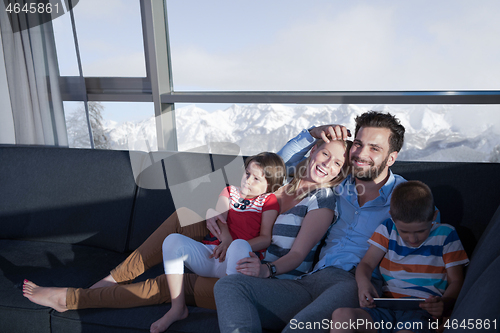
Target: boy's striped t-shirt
{"x": 421, "y": 271}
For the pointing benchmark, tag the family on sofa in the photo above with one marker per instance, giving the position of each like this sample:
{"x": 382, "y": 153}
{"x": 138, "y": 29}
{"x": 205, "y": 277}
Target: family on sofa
{"x": 339, "y": 194}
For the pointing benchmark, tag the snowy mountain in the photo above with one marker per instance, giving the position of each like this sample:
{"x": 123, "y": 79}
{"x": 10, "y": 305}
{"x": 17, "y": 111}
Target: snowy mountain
{"x": 433, "y": 133}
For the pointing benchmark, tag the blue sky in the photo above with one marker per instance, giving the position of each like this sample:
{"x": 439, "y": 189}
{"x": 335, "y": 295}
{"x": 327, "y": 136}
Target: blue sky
{"x": 334, "y": 45}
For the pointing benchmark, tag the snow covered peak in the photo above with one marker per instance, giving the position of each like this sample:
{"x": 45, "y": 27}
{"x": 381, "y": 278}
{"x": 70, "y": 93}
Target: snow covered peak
{"x": 432, "y": 132}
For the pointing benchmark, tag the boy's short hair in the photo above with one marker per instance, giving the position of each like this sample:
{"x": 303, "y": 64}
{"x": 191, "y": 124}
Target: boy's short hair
{"x": 412, "y": 201}
{"x": 383, "y": 120}
{"x": 273, "y": 167}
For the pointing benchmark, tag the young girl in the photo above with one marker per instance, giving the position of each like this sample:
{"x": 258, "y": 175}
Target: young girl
{"x": 248, "y": 213}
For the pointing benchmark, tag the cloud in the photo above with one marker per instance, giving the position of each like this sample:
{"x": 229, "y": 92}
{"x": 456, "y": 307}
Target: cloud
{"x": 98, "y": 9}
{"x": 365, "y": 46}
{"x": 131, "y": 64}
{"x": 110, "y": 39}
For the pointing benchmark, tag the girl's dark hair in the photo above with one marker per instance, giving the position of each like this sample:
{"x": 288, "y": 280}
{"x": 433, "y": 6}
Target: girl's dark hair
{"x": 412, "y": 201}
{"x": 273, "y": 168}
{"x": 383, "y": 120}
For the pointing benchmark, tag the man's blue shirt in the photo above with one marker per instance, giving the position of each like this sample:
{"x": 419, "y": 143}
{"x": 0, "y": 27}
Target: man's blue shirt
{"x": 347, "y": 239}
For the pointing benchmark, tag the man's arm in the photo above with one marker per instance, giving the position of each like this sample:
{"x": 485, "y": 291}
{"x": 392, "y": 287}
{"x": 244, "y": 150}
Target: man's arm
{"x": 295, "y": 150}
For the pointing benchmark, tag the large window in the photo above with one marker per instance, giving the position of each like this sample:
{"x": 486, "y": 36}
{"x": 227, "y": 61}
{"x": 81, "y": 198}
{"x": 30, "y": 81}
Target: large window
{"x": 257, "y": 73}
{"x": 334, "y": 45}
{"x": 110, "y": 40}
{"x": 433, "y": 132}
{"x": 115, "y": 125}
{"x": 109, "y": 37}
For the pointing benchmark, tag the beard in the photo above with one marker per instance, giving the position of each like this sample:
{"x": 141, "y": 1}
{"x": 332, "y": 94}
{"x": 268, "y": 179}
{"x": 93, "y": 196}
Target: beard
{"x": 370, "y": 174}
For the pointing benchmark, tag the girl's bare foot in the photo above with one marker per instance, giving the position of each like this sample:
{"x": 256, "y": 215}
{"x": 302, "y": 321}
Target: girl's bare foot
{"x": 106, "y": 282}
{"x": 51, "y": 297}
{"x": 168, "y": 319}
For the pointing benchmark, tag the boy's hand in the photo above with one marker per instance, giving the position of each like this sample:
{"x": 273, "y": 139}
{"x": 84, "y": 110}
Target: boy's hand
{"x": 366, "y": 293}
{"x": 434, "y": 305}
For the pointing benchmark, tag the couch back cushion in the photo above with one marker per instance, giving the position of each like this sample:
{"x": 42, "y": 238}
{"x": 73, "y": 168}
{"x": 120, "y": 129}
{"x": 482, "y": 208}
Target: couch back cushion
{"x": 75, "y": 196}
{"x": 467, "y": 194}
{"x": 478, "y": 298}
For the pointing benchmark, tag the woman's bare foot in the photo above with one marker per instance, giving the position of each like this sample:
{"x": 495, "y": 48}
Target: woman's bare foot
{"x": 168, "y": 319}
{"x": 51, "y": 297}
{"x": 106, "y": 282}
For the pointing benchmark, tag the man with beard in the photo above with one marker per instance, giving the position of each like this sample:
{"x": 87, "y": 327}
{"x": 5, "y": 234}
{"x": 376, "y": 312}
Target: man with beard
{"x": 246, "y": 304}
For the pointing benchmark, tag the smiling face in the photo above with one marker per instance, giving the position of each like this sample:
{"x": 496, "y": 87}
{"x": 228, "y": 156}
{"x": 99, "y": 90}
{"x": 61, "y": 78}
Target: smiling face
{"x": 370, "y": 155}
{"x": 413, "y": 233}
{"x": 253, "y": 182}
{"x": 326, "y": 161}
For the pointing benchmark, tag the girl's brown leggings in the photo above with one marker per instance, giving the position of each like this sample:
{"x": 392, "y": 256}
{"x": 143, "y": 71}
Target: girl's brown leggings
{"x": 198, "y": 290}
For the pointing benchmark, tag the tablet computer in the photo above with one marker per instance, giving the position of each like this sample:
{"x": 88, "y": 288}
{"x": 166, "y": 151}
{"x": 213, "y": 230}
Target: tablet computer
{"x": 399, "y": 303}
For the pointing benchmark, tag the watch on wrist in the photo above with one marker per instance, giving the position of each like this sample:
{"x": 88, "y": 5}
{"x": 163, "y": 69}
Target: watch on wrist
{"x": 272, "y": 269}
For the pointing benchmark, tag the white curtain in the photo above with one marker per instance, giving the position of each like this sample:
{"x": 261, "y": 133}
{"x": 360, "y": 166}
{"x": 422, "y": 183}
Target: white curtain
{"x": 32, "y": 76}
{"x": 7, "y": 134}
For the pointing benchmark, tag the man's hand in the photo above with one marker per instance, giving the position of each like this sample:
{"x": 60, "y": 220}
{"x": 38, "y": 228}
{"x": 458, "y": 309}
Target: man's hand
{"x": 330, "y": 132}
{"x": 211, "y": 219}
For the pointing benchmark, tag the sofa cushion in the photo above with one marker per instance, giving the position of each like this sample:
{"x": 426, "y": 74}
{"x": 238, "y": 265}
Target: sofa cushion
{"x": 483, "y": 259}
{"x": 137, "y": 319}
{"x": 131, "y": 320}
{"x": 46, "y": 264}
{"x": 479, "y": 301}
{"x": 74, "y": 196}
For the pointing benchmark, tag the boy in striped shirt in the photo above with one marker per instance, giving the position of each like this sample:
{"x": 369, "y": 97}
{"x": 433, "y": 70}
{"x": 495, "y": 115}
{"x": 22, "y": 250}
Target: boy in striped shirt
{"x": 417, "y": 258}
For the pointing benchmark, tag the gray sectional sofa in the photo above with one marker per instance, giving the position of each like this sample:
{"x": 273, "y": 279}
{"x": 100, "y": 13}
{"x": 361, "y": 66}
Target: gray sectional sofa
{"x": 67, "y": 216}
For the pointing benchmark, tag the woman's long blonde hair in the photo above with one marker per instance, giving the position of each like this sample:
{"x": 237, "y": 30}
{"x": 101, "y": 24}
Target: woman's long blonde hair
{"x": 301, "y": 169}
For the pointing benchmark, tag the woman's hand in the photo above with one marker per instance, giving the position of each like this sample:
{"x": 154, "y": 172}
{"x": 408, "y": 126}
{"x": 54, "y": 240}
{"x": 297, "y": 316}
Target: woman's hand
{"x": 251, "y": 266}
{"x": 211, "y": 218}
